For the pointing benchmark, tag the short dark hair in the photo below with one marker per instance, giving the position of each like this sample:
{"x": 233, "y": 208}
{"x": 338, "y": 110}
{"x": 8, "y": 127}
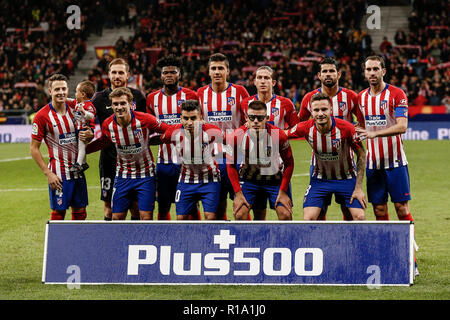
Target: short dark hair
{"x": 257, "y": 105}
{"x": 190, "y": 105}
{"x": 376, "y": 58}
{"x": 56, "y": 77}
{"x": 169, "y": 61}
{"x": 122, "y": 91}
{"x": 320, "y": 96}
{"x": 119, "y": 61}
{"x": 328, "y": 60}
{"x": 87, "y": 87}
{"x": 219, "y": 57}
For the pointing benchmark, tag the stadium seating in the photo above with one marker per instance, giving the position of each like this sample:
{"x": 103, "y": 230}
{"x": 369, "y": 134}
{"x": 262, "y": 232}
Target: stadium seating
{"x": 291, "y": 36}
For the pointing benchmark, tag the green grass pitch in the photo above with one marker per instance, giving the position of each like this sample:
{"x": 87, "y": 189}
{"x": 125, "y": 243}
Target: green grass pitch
{"x": 24, "y": 211}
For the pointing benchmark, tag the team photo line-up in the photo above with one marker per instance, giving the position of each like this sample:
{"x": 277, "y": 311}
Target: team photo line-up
{"x": 219, "y": 143}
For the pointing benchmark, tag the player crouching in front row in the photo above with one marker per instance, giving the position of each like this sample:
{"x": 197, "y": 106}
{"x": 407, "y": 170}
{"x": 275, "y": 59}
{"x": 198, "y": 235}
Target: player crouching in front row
{"x": 333, "y": 141}
{"x": 135, "y": 172}
{"x": 259, "y": 147}
{"x": 200, "y": 175}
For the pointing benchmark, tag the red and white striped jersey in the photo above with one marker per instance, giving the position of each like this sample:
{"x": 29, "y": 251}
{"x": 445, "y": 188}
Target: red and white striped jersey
{"x": 379, "y": 113}
{"x": 223, "y": 109}
{"x": 81, "y": 119}
{"x": 280, "y": 109}
{"x": 198, "y": 164}
{"x": 344, "y": 104}
{"x": 263, "y": 158}
{"x": 60, "y": 135}
{"x": 167, "y": 109}
{"x": 134, "y": 157}
{"x": 332, "y": 151}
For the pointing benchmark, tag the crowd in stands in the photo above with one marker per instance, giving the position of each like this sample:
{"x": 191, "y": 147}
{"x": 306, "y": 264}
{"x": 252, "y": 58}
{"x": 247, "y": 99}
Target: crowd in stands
{"x": 35, "y": 42}
{"x": 291, "y": 36}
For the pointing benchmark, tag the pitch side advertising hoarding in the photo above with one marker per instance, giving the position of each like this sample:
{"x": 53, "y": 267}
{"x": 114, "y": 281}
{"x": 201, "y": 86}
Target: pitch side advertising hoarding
{"x": 229, "y": 252}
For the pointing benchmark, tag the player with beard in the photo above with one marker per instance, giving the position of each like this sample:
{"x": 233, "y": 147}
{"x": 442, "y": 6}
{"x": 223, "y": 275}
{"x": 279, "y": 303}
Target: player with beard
{"x": 118, "y": 77}
{"x": 165, "y": 105}
{"x": 344, "y": 106}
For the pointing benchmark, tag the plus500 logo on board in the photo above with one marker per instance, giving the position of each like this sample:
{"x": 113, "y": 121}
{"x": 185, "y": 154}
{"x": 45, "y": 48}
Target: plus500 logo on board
{"x": 244, "y": 261}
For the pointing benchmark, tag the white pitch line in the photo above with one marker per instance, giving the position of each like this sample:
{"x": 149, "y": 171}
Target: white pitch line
{"x": 19, "y": 159}
{"x": 300, "y": 175}
{"x": 35, "y": 189}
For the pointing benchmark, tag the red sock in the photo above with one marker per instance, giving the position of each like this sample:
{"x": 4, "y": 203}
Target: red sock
{"x": 249, "y": 217}
{"x": 385, "y": 217}
{"x": 407, "y": 217}
{"x": 55, "y": 215}
{"x": 79, "y": 215}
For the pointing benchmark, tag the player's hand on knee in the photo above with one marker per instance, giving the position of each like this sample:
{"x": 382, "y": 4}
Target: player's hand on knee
{"x": 239, "y": 201}
{"x": 284, "y": 199}
{"x": 358, "y": 194}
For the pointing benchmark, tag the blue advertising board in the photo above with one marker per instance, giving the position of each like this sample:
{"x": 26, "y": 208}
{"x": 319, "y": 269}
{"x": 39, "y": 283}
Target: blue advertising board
{"x": 229, "y": 252}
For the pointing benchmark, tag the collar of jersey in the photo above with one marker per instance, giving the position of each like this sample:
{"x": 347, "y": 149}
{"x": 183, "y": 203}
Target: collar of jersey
{"x": 339, "y": 90}
{"x": 273, "y": 97}
{"x": 162, "y": 90}
{"x": 210, "y": 86}
{"x": 368, "y": 90}
{"x": 51, "y": 107}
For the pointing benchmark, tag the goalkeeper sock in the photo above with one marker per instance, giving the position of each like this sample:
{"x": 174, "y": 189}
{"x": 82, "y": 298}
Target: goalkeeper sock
{"x": 108, "y": 219}
{"x": 135, "y": 218}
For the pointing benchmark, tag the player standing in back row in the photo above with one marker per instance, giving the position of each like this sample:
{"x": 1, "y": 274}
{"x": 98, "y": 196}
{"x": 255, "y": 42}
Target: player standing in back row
{"x": 118, "y": 76}
{"x": 55, "y": 124}
{"x": 385, "y": 111}
{"x": 344, "y": 106}
{"x": 221, "y": 106}
{"x": 384, "y": 108}
{"x": 165, "y": 105}
{"x": 281, "y": 112}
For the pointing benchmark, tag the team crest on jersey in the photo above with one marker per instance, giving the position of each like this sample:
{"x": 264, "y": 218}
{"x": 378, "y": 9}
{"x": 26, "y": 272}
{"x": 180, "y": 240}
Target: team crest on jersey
{"x": 336, "y": 143}
{"x": 342, "y": 105}
{"x": 275, "y": 111}
{"x": 383, "y": 104}
{"x": 137, "y": 133}
{"x": 231, "y": 101}
{"x": 133, "y": 105}
{"x": 179, "y": 102}
{"x": 35, "y": 129}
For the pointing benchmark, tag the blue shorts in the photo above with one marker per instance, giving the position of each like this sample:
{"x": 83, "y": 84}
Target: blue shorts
{"x": 393, "y": 181}
{"x": 73, "y": 194}
{"x": 127, "y": 189}
{"x": 188, "y": 194}
{"x": 226, "y": 188}
{"x": 260, "y": 201}
{"x": 167, "y": 175}
{"x": 320, "y": 191}
{"x": 255, "y": 192}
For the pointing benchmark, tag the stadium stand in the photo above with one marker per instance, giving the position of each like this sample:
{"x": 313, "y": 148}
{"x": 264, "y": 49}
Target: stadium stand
{"x": 35, "y": 42}
{"x": 291, "y": 36}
